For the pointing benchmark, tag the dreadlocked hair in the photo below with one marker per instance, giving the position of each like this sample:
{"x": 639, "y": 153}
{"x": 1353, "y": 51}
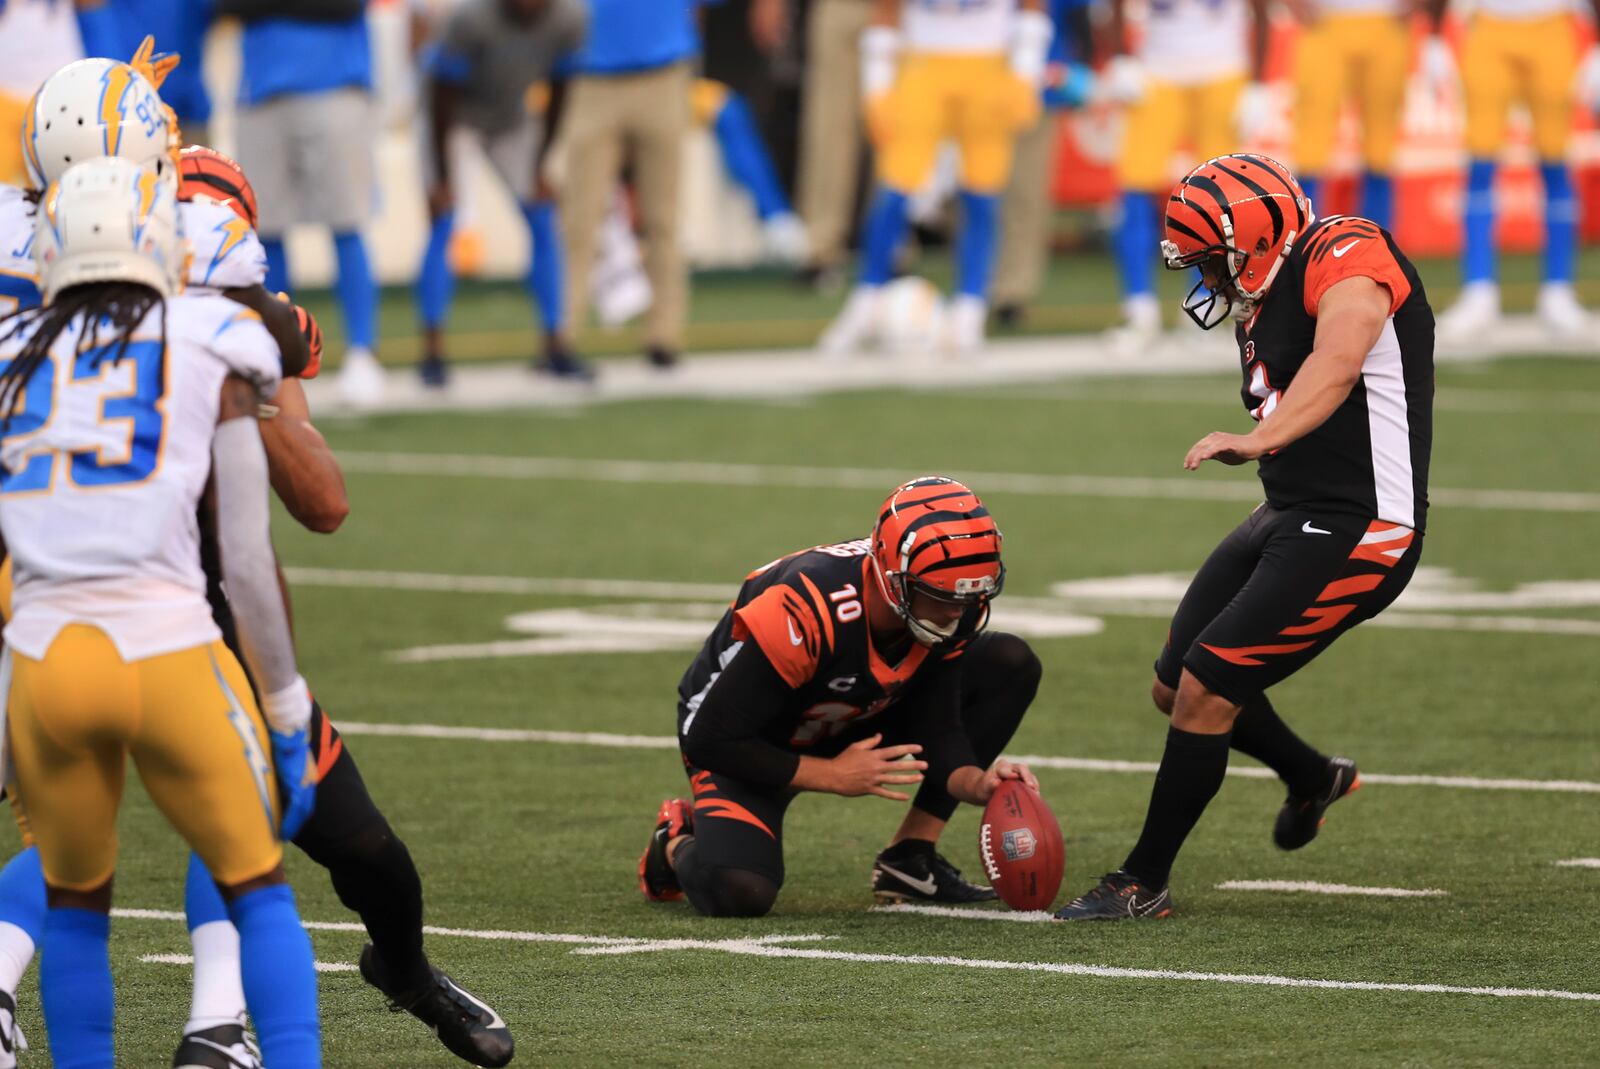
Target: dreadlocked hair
{"x": 111, "y": 310}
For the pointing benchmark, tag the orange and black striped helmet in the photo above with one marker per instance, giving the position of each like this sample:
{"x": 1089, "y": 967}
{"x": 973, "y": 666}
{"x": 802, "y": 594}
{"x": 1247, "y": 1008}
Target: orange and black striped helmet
{"x": 205, "y": 172}
{"x": 934, "y": 537}
{"x": 1238, "y": 215}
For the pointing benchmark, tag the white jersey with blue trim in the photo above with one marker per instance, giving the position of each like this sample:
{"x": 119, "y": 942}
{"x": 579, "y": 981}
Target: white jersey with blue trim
{"x": 104, "y": 467}
{"x": 1189, "y": 42}
{"x": 19, "y": 285}
{"x": 958, "y": 27}
{"x": 227, "y": 253}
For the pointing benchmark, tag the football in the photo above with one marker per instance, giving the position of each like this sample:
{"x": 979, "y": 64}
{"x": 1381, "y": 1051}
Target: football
{"x": 1020, "y": 844}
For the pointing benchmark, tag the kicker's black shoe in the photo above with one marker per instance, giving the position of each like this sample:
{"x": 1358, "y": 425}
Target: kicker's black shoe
{"x": 1118, "y": 897}
{"x": 915, "y": 872}
{"x": 227, "y": 1046}
{"x": 467, "y": 1026}
{"x": 1301, "y": 818}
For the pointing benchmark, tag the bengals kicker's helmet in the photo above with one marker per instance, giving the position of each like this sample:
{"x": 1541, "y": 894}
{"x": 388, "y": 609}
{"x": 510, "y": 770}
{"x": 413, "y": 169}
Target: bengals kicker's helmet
{"x": 205, "y": 172}
{"x": 1235, "y": 217}
{"x": 934, "y": 537}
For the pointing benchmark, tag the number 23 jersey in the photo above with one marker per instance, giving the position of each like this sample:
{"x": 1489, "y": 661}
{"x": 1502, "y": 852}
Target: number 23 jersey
{"x": 806, "y": 614}
{"x": 104, "y": 465}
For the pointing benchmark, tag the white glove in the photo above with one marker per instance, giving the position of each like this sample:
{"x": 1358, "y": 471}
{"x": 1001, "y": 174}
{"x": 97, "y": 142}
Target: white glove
{"x": 1589, "y": 80}
{"x": 880, "y": 54}
{"x": 1253, "y": 112}
{"x": 1124, "y": 81}
{"x": 1439, "y": 65}
{"x": 1030, "y": 45}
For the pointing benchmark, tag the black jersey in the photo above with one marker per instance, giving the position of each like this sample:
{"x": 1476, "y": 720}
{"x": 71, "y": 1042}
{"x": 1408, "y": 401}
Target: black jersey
{"x": 806, "y": 614}
{"x": 1370, "y": 457}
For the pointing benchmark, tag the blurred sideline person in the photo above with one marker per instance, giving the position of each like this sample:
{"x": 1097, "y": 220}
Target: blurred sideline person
{"x": 1027, "y": 209}
{"x": 1335, "y": 342}
{"x": 748, "y": 162}
{"x": 832, "y": 132}
{"x": 1520, "y": 51}
{"x": 113, "y": 650}
{"x": 488, "y": 55}
{"x": 305, "y": 139}
{"x": 629, "y": 104}
{"x": 933, "y": 73}
{"x": 1358, "y": 50}
{"x": 36, "y": 38}
{"x": 825, "y": 654}
{"x": 1185, "y": 88}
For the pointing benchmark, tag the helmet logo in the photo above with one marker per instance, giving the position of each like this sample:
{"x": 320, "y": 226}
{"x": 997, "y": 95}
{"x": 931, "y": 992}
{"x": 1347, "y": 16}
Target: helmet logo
{"x": 983, "y": 584}
{"x": 118, "y": 79}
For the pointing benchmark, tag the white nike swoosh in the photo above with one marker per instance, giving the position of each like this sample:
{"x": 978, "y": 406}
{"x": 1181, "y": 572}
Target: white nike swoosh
{"x": 794, "y": 636}
{"x": 495, "y": 1021}
{"x": 1346, "y": 248}
{"x": 1308, "y": 529}
{"x": 926, "y": 885}
{"x": 231, "y": 1053}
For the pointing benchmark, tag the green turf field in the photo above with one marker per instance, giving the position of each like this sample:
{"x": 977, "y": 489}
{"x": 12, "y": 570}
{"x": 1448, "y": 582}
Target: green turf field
{"x": 519, "y": 840}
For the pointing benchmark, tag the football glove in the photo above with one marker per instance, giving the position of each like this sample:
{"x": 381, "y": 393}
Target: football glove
{"x": 154, "y": 68}
{"x": 297, "y": 779}
{"x": 1253, "y": 111}
{"x": 313, "y": 335}
{"x": 1068, "y": 85}
{"x": 1030, "y": 45}
{"x": 1589, "y": 80}
{"x": 1124, "y": 81}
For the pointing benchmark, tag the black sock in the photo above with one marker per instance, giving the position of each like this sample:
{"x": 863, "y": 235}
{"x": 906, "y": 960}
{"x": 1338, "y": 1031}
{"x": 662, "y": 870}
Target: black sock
{"x": 1191, "y": 773}
{"x": 1262, "y": 734}
{"x": 375, "y": 877}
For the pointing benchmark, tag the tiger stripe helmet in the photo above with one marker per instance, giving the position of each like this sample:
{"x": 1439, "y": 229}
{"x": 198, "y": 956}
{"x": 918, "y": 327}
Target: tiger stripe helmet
{"x": 1240, "y": 216}
{"x": 934, "y": 537}
{"x": 205, "y": 172}
{"x": 93, "y": 108}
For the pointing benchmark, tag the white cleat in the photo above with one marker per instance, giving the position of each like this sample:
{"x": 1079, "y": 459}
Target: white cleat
{"x": 963, "y": 325}
{"x": 1560, "y": 312}
{"x": 856, "y": 325}
{"x": 784, "y": 237}
{"x": 1475, "y": 312}
{"x": 361, "y": 379}
{"x": 1141, "y": 327}
{"x": 11, "y": 1040}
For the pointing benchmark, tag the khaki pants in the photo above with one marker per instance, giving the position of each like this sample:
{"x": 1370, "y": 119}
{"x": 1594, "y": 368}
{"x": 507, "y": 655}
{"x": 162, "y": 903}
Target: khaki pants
{"x": 1025, "y": 215}
{"x": 831, "y": 136}
{"x": 642, "y": 118}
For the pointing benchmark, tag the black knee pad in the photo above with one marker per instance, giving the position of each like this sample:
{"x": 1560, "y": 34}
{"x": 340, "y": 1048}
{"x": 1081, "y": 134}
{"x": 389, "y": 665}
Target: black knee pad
{"x": 742, "y": 893}
{"x": 1014, "y": 658}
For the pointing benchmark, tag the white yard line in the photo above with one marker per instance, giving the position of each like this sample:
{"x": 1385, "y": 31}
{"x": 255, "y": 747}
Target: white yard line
{"x": 1073, "y": 764}
{"x": 707, "y": 473}
{"x": 1312, "y": 887}
{"x": 188, "y": 959}
{"x": 1579, "y": 863}
{"x": 772, "y": 946}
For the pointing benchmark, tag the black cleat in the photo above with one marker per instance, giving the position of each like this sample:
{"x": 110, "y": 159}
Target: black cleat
{"x": 467, "y": 1026}
{"x": 660, "y": 358}
{"x": 227, "y": 1046}
{"x": 1118, "y": 897}
{"x": 1301, "y": 818}
{"x": 561, "y": 364}
{"x": 434, "y": 372}
{"x": 915, "y": 872}
{"x": 1010, "y": 316}
{"x": 657, "y": 881}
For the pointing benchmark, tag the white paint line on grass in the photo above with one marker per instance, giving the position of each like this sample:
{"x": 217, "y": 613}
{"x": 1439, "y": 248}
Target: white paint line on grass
{"x": 188, "y": 959}
{"x": 708, "y": 473}
{"x": 1579, "y": 863}
{"x": 1312, "y": 887}
{"x": 772, "y": 946}
{"x": 508, "y": 584}
{"x": 1071, "y": 764}
{"x": 1033, "y": 916}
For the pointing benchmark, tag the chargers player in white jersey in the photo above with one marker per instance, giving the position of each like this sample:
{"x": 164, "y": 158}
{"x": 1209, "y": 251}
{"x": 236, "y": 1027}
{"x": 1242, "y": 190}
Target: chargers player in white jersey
{"x": 1184, "y": 87}
{"x": 966, "y": 71}
{"x": 122, "y": 397}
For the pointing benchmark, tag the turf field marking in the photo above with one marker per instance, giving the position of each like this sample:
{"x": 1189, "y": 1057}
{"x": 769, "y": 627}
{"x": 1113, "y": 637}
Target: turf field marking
{"x": 188, "y": 959}
{"x": 706, "y": 473}
{"x": 1070, "y": 764}
{"x": 1579, "y": 863}
{"x": 1031, "y": 916}
{"x": 772, "y": 947}
{"x": 1312, "y": 887}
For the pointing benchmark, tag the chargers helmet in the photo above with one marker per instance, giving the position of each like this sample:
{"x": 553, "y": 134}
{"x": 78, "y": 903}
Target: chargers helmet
{"x": 92, "y": 108}
{"x": 110, "y": 220}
